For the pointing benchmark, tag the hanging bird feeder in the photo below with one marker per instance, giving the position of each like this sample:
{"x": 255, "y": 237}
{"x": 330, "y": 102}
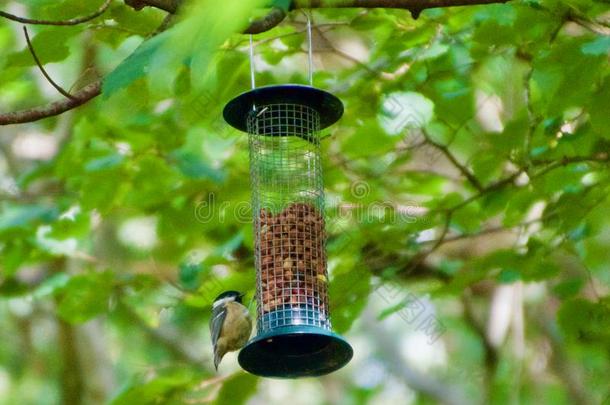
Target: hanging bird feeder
{"x": 294, "y": 336}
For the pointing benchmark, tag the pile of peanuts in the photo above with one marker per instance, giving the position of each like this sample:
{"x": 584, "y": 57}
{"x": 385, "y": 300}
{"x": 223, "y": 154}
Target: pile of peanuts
{"x": 292, "y": 259}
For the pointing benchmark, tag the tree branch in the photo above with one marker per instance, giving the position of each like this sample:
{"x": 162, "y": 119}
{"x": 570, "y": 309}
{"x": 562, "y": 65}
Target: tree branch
{"x": 463, "y": 169}
{"x": 404, "y": 4}
{"x": 272, "y": 19}
{"x": 595, "y": 27}
{"x": 72, "y": 384}
{"x": 58, "y": 107}
{"x": 500, "y": 184}
{"x": 72, "y": 21}
{"x": 421, "y": 257}
{"x": 171, "y": 6}
{"x": 277, "y": 15}
{"x": 415, "y": 6}
{"x": 44, "y": 72}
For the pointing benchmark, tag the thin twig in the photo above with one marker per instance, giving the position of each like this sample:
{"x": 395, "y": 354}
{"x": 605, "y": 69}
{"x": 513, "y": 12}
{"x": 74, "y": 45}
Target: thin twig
{"x": 463, "y": 169}
{"x": 421, "y": 257}
{"x": 72, "y": 21}
{"x": 596, "y": 27}
{"x": 42, "y": 69}
{"x": 591, "y": 281}
{"x": 58, "y": 107}
{"x": 493, "y": 187}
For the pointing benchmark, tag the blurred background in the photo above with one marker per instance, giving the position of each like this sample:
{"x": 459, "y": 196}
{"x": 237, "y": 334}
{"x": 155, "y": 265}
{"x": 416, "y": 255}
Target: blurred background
{"x": 466, "y": 202}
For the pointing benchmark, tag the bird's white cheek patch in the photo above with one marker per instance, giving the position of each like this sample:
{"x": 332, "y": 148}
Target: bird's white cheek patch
{"x": 222, "y": 302}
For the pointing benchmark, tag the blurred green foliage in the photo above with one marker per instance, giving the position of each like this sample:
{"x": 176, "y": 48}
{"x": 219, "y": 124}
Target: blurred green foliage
{"x": 472, "y": 157}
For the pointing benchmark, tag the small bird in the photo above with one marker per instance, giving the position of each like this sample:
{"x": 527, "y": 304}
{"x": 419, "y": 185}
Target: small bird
{"x": 230, "y": 326}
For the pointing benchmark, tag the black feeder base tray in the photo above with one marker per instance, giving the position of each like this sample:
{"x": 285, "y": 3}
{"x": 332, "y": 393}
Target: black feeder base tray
{"x": 295, "y": 351}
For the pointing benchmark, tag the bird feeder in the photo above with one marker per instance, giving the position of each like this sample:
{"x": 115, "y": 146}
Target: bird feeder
{"x": 294, "y": 336}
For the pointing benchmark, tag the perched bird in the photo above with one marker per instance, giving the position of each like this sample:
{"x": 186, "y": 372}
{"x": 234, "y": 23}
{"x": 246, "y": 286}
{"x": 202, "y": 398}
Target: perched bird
{"x": 230, "y": 325}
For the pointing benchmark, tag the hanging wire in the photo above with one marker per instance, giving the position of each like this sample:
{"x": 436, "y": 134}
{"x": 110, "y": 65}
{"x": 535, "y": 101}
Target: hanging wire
{"x": 252, "y": 68}
{"x": 310, "y": 49}
{"x": 309, "y": 55}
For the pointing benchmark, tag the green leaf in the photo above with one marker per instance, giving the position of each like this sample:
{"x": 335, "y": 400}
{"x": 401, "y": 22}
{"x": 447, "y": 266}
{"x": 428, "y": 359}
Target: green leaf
{"x": 154, "y": 182}
{"x": 104, "y": 163}
{"x": 140, "y": 21}
{"x": 517, "y": 206}
{"x": 50, "y": 44}
{"x": 564, "y": 77}
{"x": 71, "y": 225}
{"x": 348, "y": 293}
{"x": 196, "y": 168}
{"x": 486, "y": 166}
{"x": 164, "y": 389}
{"x": 23, "y": 216}
{"x": 508, "y": 276}
{"x": 237, "y": 389}
{"x": 537, "y": 269}
{"x": 391, "y": 310}
{"x": 11, "y": 287}
{"x": 467, "y": 219}
{"x": 568, "y": 288}
{"x": 85, "y": 296}
{"x": 599, "y": 46}
{"x": 599, "y": 109}
{"x": 51, "y": 285}
{"x": 283, "y": 4}
{"x": 13, "y": 255}
{"x": 369, "y": 139}
{"x": 189, "y": 275}
{"x": 133, "y": 67}
{"x": 100, "y": 191}
{"x": 405, "y": 110}
{"x": 584, "y": 321}
{"x": 193, "y": 43}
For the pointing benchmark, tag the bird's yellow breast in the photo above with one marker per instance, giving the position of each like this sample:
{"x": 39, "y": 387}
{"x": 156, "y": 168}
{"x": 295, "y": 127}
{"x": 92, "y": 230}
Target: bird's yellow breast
{"x": 237, "y": 327}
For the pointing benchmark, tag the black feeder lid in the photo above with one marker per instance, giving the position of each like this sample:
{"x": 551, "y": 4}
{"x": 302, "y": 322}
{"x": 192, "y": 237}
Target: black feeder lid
{"x": 328, "y": 106}
{"x": 295, "y": 351}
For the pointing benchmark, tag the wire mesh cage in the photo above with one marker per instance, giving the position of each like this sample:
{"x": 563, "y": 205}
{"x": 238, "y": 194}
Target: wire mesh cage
{"x": 287, "y": 200}
{"x": 294, "y": 336}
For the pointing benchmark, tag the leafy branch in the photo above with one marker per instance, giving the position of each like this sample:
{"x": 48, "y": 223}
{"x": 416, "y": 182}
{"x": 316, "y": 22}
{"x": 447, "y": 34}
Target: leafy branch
{"x": 42, "y": 69}
{"x": 275, "y": 16}
{"x": 55, "y": 108}
{"x": 73, "y": 21}
{"x": 463, "y": 169}
{"x": 418, "y": 260}
{"x": 75, "y": 100}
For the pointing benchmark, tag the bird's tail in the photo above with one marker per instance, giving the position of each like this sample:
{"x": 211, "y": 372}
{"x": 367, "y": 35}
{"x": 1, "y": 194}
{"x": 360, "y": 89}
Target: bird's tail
{"x": 217, "y": 359}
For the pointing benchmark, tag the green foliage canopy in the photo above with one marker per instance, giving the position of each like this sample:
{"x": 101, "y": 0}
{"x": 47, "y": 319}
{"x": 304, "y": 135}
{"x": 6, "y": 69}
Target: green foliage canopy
{"x": 473, "y": 156}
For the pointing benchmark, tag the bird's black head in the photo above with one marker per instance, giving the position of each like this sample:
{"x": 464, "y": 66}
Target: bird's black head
{"x": 236, "y": 295}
